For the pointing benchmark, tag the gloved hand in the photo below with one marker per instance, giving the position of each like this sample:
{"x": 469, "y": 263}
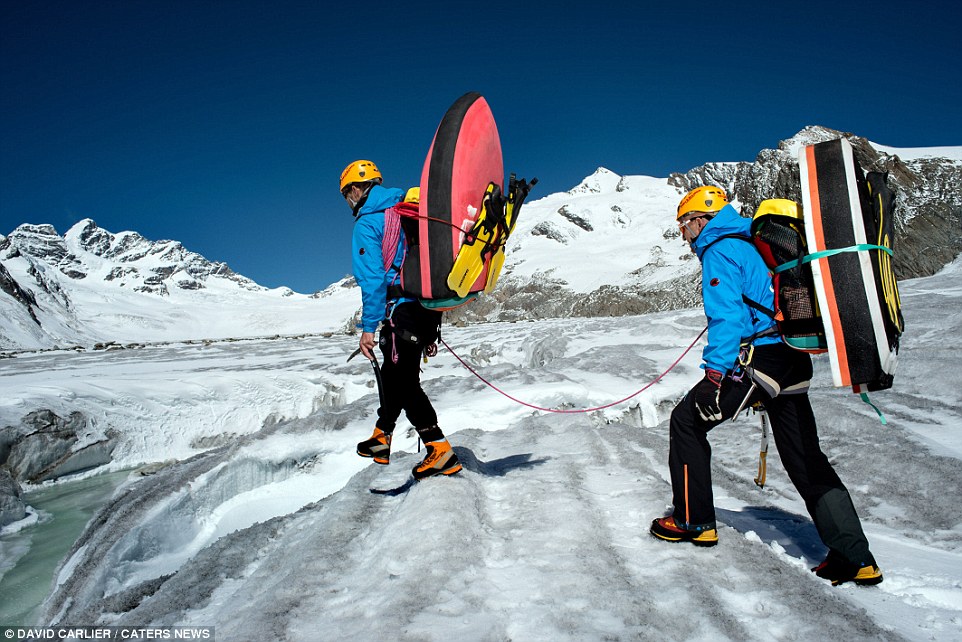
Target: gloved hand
{"x": 706, "y": 393}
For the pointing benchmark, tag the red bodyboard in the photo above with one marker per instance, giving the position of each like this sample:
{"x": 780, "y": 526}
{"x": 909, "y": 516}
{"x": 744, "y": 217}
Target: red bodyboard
{"x": 465, "y": 156}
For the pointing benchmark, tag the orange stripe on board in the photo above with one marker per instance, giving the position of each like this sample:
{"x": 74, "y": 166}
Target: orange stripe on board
{"x": 687, "y": 516}
{"x": 837, "y": 334}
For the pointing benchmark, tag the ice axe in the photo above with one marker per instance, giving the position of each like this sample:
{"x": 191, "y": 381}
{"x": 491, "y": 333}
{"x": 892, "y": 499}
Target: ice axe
{"x": 377, "y": 374}
{"x": 763, "y": 450}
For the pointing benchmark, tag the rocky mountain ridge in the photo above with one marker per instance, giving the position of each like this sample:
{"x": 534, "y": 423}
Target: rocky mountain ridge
{"x": 140, "y": 264}
{"x": 928, "y": 206}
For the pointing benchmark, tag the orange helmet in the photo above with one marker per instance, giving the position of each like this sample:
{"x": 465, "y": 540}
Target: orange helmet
{"x": 360, "y": 171}
{"x": 708, "y": 199}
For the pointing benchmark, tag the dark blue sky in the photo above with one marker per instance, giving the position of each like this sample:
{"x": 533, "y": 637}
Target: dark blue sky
{"x": 225, "y": 124}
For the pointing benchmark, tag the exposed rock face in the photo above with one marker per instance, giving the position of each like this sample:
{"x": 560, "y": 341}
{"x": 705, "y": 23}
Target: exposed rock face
{"x": 23, "y": 297}
{"x": 928, "y": 205}
{"x": 12, "y": 507}
{"x": 518, "y": 300}
{"x": 46, "y": 446}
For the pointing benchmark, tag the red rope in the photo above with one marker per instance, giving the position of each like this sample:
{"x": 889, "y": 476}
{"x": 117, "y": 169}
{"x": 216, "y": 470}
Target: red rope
{"x": 573, "y": 411}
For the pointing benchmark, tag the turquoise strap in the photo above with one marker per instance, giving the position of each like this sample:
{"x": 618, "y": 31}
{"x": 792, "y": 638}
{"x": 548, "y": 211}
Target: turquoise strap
{"x": 808, "y": 258}
{"x": 881, "y": 417}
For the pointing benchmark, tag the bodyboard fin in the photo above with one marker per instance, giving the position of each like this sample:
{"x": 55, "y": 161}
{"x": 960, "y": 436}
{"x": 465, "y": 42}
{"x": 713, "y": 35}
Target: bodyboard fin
{"x": 517, "y": 193}
{"x": 480, "y": 243}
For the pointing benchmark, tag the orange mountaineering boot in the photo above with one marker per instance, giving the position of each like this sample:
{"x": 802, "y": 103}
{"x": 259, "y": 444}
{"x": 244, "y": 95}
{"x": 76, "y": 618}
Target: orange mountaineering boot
{"x": 667, "y": 529}
{"x": 440, "y": 460}
{"x": 378, "y": 447}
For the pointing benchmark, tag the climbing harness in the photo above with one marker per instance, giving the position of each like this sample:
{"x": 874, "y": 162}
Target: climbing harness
{"x": 575, "y": 410}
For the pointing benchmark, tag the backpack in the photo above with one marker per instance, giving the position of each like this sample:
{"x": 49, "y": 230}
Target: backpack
{"x": 778, "y": 233}
{"x": 479, "y": 253}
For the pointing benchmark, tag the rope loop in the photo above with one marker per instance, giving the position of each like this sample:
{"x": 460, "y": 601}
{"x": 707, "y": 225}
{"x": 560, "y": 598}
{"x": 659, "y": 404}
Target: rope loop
{"x": 576, "y": 410}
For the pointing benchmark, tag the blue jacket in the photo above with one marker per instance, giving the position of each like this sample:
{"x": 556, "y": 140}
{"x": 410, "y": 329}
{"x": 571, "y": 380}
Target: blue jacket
{"x": 731, "y": 268}
{"x": 367, "y": 256}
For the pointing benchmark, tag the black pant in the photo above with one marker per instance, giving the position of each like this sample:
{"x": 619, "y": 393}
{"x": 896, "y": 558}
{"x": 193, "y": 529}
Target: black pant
{"x": 796, "y": 437}
{"x": 402, "y": 340}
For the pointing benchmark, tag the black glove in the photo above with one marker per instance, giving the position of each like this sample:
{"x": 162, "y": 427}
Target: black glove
{"x": 706, "y": 393}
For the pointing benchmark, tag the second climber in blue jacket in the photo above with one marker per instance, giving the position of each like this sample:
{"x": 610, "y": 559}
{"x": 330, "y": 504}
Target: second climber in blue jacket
{"x": 746, "y": 362}
{"x": 407, "y": 329}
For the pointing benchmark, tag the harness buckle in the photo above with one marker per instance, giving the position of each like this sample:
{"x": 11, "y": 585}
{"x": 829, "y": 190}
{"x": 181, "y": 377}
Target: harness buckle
{"x": 744, "y": 359}
{"x": 746, "y": 354}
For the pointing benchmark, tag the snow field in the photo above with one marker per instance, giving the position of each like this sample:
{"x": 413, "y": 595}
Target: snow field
{"x": 270, "y": 529}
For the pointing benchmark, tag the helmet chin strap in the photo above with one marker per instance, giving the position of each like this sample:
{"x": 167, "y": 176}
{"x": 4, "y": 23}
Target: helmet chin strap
{"x": 694, "y": 234}
{"x": 361, "y": 201}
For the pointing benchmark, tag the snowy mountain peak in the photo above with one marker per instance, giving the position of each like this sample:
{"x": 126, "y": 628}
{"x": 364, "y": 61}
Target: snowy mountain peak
{"x": 607, "y": 247}
{"x": 124, "y": 247}
{"x": 809, "y": 136}
{"x": 88, "y": 236}
{"x": 610, "y": 231}
{"x": 91, "y": 285}
{"x": 127, "y": 258}
{"x": 601, "y": 181}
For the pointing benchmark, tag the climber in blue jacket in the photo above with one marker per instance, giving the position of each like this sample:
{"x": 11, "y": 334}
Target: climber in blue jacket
{"x": 407, "y": 329}
{"x": 745, "y": 362}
